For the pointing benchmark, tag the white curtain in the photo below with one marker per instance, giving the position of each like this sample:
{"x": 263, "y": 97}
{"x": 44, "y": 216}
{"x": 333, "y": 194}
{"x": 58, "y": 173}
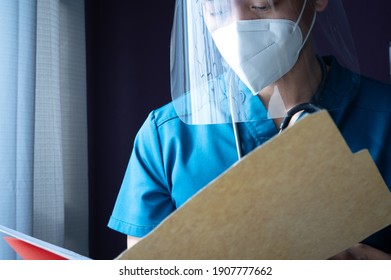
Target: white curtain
{"x": 43, "y": 122}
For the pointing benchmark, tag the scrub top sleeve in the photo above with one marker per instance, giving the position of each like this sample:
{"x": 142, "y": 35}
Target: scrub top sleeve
{"x": 144, "y": 199}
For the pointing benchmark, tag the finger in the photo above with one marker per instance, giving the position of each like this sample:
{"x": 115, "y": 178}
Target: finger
{"x": 344, "y": 255}
{"x": 365, "y": 252}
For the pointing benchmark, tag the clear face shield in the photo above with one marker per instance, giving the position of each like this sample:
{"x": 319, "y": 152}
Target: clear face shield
{"x": 227, "y": 55}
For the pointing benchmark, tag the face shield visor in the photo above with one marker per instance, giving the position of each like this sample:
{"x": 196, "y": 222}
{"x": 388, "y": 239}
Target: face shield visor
{"x": 227, "y": 55}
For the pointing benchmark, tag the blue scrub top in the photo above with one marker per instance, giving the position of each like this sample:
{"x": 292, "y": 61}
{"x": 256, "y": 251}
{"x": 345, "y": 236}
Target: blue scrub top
{"x": 171, "y": 161}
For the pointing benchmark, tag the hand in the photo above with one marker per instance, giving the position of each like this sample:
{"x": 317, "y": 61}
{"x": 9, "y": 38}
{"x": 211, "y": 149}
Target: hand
{"x": 362, "y": 252}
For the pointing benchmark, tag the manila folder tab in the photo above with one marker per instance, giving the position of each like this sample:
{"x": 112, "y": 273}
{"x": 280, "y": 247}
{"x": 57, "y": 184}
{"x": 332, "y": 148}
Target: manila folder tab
{"x": 302, "y": 195}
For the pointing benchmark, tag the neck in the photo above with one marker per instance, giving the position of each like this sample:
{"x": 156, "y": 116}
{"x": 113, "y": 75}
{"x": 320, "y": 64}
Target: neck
{"x": 300, "y": 84}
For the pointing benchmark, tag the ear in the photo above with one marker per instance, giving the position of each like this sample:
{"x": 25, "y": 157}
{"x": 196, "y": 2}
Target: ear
{"x": 320, "y": 5}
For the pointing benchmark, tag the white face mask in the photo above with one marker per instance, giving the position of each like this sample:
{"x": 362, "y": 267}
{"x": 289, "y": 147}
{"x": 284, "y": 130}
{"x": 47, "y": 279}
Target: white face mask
{"x": 261, "y": 51}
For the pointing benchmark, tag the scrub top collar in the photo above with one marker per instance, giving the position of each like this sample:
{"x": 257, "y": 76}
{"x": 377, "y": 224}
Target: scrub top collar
{"x": 340, "y": 87}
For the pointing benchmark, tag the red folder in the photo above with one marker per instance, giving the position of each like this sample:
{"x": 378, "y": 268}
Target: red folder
{"x": 30, "y": 248}
{"x": 28, "y": 251}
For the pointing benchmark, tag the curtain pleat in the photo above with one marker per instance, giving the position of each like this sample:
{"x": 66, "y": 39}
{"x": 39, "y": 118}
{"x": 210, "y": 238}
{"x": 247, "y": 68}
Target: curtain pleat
{"x": 17, "y": 79}
{"x": 48, "y": 173}
{"x": 60, "y": 150}
{"x": 74, "y": 124}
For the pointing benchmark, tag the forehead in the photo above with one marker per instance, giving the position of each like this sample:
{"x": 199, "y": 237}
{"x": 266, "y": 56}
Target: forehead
{"x": 218, "y": 13}
{"x": 252, "y": 8}
{"x": 255, "y": 3}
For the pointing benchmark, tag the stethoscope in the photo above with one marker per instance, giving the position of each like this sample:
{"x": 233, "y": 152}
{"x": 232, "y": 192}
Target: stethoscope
{"x": 306, "y": 107}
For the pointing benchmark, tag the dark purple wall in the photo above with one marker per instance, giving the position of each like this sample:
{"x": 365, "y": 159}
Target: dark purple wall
{"x": 371, "y": 28}
{"x": 128, "y": 72}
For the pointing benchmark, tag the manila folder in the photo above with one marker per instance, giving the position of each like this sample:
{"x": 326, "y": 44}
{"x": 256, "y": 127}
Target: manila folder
{"x": 302, "y": 195}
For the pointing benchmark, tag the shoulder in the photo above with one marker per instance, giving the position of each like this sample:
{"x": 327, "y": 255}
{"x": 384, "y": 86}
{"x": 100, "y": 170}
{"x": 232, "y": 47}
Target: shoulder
{"x": 374, "y": 95}
{"x": 346, "y": 87}
{"x": 163, "y": 116}
{"x": 163, "y": 128}
{"x": 159, "y": 119}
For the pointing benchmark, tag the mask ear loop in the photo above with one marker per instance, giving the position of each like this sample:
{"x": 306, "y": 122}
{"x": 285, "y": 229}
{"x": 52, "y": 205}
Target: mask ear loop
{"x": 309, "y": 30}
{"x": 300, "y": 16}
{"x": 306, "y": 107}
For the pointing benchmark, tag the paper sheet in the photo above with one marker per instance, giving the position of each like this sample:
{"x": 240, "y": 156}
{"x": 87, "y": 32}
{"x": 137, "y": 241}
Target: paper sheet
{"x": 302, "y": 195}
